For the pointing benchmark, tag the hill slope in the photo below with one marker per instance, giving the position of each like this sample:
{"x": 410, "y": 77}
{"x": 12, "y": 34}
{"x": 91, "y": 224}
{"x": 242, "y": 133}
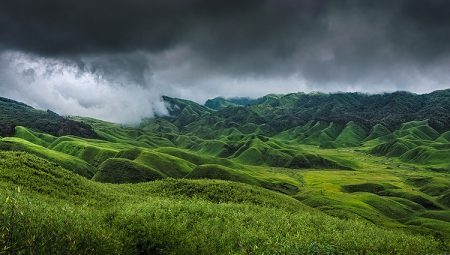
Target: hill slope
{"x": 162, "y": 217}
{"x": 13, "y": 113}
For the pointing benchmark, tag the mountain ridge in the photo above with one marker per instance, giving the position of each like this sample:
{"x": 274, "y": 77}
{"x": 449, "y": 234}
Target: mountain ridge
{"x": 14, "y": 113}
{"x": 282, "y": 112}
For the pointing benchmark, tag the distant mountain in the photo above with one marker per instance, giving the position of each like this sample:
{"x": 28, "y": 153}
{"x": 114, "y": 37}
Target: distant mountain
{"x": 268, "y": 115}
{"x": 219, "y": 103}
{"x": 13, "y": 113}
{"x": 281, "y": 112}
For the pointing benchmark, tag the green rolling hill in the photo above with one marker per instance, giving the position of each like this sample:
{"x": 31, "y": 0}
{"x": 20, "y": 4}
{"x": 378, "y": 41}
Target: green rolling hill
{"x": 343, "y": 173}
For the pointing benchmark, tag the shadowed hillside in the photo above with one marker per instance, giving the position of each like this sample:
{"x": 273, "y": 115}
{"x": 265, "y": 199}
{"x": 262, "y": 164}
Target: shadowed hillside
{"x": 13, "y": 113}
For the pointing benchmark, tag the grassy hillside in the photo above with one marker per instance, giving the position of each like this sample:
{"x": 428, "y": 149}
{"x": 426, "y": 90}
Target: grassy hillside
{"x": 173, "y": 217}
{"x": 67, "y": 161}
{"x": 118, "y": 170}
{"x": 13, "y": 113}
{"x": 316, "y": 173}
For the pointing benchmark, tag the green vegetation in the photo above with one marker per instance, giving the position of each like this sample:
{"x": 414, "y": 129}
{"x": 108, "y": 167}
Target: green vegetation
{"x": 352, "y": 135}
{"x": 67, "y": 161}
{"x": 218, "y": 172}
{"x": 343, "y": 173}
{"x": 118, "y": 170}
{"x": 47, "y": 209}
{"x": 13, "y": 113}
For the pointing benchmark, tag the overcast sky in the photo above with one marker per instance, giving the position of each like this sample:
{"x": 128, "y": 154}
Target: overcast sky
{"x": 113, "y": 59}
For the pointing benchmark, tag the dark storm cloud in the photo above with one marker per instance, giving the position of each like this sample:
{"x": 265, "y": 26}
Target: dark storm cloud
{"x": 223, "y": 33}
{"x": 218, "y": 28}
{"x": 204, "y": 48}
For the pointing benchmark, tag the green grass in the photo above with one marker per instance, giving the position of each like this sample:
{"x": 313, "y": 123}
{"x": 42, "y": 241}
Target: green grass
{"x": 375, "y": 188}
{"x": 351, "y": 135}
{"x": 445, "y": 199}
{"x": 164, "y": 163}
{"x": 219, "y": 172}
{"x": 119, "y": 170}
{"x": 209, "y": 147}
{"x": 196, "y": 158}
{"x": 444, "y": 137}
{"x": 57, "y": 211}
{"x": 92, "y": 152}
{"x": 67, "y": 161}
{"x": 34, "y": 137}
{"x": 377, "y": 131}
{"x": 419, "y": 198}
{"x": 393, "y": 148}
{"x": 426, "y": 155}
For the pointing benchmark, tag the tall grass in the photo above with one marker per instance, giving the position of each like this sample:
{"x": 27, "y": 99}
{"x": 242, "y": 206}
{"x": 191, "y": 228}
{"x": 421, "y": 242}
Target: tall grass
{"x": 190, "y": 226}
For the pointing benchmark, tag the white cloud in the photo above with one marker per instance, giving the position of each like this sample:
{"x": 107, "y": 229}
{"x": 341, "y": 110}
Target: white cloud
{"x": 53, "y": 84}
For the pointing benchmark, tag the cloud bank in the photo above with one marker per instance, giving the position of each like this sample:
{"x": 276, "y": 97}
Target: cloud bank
{"x": 53, "y": 84}
{"x": 114, "y": 59}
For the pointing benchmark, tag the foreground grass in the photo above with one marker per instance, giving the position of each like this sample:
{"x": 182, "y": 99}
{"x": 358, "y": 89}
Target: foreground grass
{"x": 57, "y": 211}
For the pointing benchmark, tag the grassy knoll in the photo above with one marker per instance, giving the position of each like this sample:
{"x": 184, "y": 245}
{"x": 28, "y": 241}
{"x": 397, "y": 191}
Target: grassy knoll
{"x": 67, "y": 161}
{"x": 119, "y": 170}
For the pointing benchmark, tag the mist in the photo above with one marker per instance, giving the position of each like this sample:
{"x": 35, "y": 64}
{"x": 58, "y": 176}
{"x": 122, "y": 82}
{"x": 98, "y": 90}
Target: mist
{"x": 66, "y": 88}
